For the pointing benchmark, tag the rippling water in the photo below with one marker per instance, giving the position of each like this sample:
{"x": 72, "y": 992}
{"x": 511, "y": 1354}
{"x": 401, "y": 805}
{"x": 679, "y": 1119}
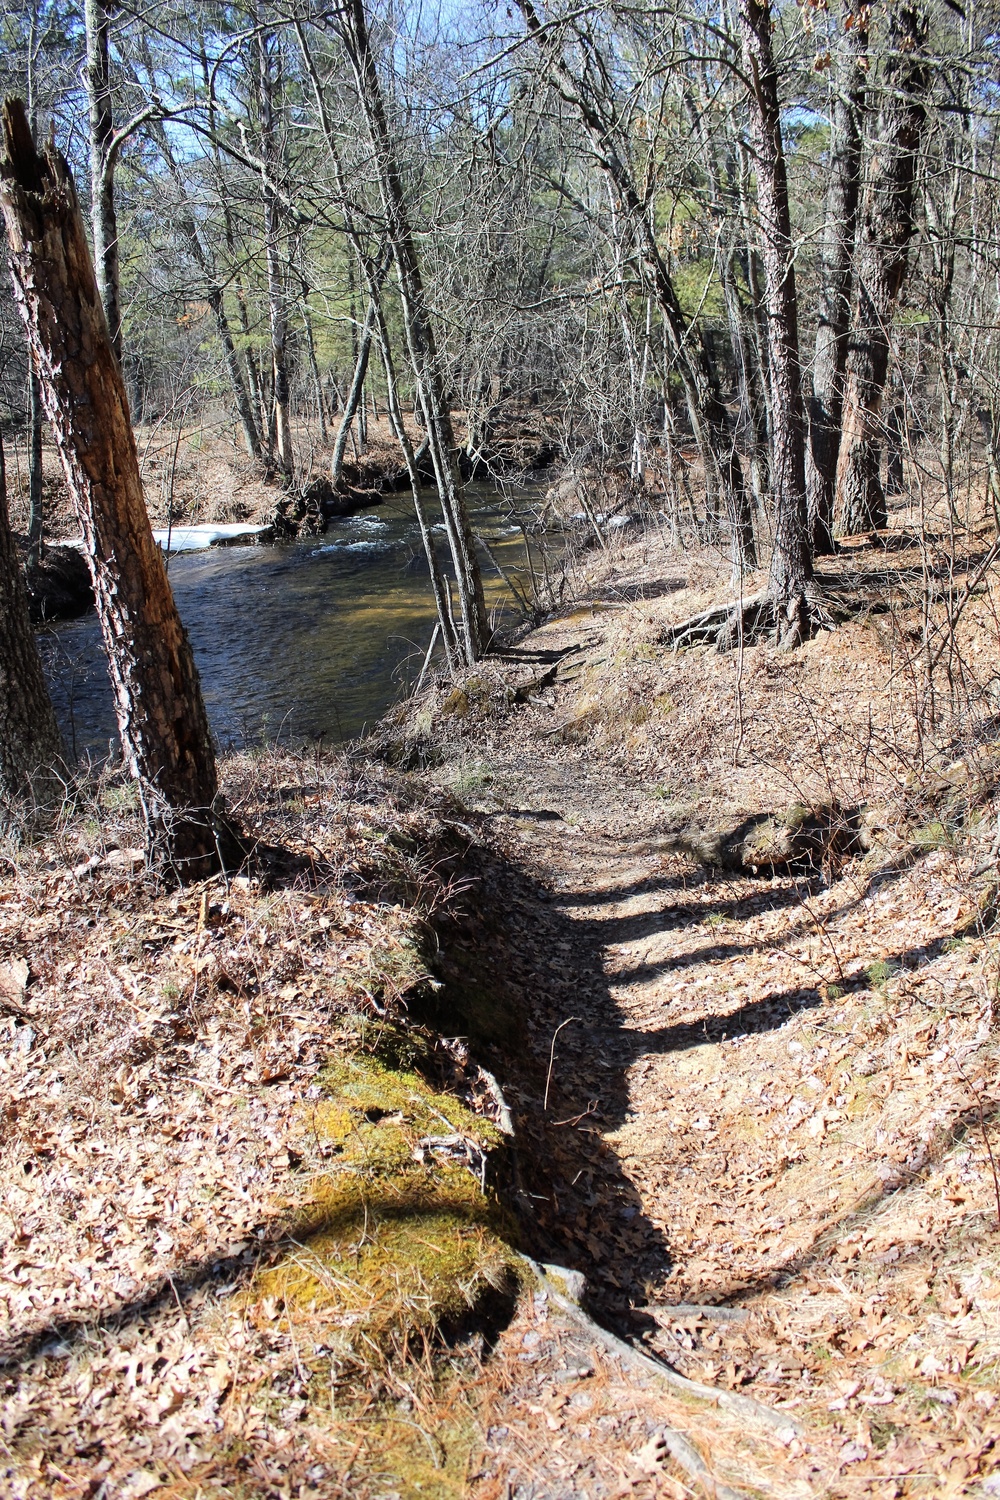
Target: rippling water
{"x": 318, "y": 637}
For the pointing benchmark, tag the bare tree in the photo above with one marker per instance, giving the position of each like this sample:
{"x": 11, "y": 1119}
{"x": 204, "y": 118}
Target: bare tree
{"x": 885, "y": 232}
{"x": 791, "y": 559}
{"x": 104, "y": 149}
{"x": 420, "y": 337}
{"x": 836, "y": 275}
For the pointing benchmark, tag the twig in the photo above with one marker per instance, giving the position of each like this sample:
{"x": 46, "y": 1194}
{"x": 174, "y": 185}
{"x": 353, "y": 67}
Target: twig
{"x": 552, "y": 1059}
{"x": 575, "y": 1119}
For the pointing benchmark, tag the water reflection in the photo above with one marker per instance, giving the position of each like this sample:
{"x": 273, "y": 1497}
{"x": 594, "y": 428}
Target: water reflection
{"x": 315, "y": 638}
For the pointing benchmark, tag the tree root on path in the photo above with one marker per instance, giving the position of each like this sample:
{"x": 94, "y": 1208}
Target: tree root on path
{"x": 753, "y": 1414}
{"x": 727, "y": 626}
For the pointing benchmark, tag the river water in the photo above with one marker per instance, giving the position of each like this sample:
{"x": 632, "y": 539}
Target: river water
{"x": 313, "y": 638}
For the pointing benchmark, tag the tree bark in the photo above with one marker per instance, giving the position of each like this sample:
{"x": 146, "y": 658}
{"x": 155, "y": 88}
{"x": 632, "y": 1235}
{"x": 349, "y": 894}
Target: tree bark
{"x": 30, "y": 743}
{"x": 750, "y": 369}
{"x": 836, "y": 280}
{"x": 104, "y": 222}
{"x": 161, "y": 714}
{"x": 36, "y": 515}
{"x": 276, "y": 289}
{"x": 439, "y": 583}
{"x": 352, "y": 401}
{"x": 791, "y": 560}
{"x": 887, "y": 224}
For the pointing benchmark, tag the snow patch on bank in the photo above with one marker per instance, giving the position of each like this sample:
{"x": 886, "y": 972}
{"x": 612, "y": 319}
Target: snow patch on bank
{"x": 197, "y": 538}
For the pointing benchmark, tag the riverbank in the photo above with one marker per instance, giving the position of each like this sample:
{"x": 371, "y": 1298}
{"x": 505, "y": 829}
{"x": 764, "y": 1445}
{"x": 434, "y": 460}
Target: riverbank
{"x": 223, "y": 1161}
{"x": 199, "y": 475}
{"x": 757, "y": 1083}
{"x": 264, "y": 1222}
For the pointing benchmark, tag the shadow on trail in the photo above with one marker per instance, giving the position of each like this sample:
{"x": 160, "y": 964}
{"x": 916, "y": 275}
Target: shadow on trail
{"x": 524, "y": 977}
{"x": 514, "y": 968}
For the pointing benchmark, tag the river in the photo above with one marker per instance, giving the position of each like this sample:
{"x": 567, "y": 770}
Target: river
{"x": 312, "y": 638}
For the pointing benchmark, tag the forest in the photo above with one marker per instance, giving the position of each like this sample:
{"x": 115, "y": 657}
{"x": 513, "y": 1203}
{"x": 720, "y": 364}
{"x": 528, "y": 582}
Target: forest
{"x": 500, "y": 749}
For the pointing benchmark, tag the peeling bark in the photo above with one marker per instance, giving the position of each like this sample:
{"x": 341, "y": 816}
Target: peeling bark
{"x": 161, "y": 714}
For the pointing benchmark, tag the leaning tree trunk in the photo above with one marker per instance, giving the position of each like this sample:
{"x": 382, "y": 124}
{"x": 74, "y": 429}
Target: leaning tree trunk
{"x": 836, "y": 278}
{"x": 161, "y": 714}
{"x": 887, "y": 224}
{"x": 439, "y": 583}
{"x": 791, "y": 560}
{"x": 353, "y": 398}
{"x": 30, "y": 744}
{"x": 420, "y": 338}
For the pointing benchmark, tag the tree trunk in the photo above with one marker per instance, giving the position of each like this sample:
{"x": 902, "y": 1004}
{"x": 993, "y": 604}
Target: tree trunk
{"x": 30, "y": 743}
{"x": 241, "y": 395}
{"x": 36, "y": 515}
{"x": 419, "y": 335}
{"x": 694, "y": 363}
{"x": 751, "y": 424}
{"x": 161, "y": 714}
{"x": 836, "y": 273}
{"x": 791, "y": 560}
{"x": 352, "y": 400}
{"x": 104, "y": 223}
{"x": 887, "y": 224}
{"x": 276, "y": 290}
{"x": 314, "y": 365}
{"x": 439, "y": 583}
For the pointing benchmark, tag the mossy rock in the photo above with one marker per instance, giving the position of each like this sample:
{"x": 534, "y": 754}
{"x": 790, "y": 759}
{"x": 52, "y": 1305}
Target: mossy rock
{"x": 801, "y": 837}
{"x": 400, "y": 1244}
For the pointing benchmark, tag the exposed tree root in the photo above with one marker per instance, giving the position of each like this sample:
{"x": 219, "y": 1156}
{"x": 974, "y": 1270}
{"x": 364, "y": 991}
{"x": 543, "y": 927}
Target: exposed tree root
{"x": 564, "y": 1287}
{"x": 725, "y": 626}
{"x": 800, "y": 837}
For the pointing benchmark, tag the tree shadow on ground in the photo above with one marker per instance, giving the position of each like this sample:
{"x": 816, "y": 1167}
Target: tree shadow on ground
{"x": 523, "y": 977}
{"x": 514, "y": 969}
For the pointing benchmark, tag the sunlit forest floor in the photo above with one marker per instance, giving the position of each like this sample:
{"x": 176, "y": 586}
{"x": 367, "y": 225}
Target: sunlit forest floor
{"x": 775, "y": 1090}
{"x": 259, "y": 1221}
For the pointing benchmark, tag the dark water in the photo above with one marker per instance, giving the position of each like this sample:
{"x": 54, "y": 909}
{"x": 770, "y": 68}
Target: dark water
{"x": 318, "y": 637}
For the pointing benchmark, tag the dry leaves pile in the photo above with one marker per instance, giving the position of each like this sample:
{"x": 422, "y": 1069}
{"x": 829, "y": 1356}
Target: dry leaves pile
{"x": 159, "y": 1053}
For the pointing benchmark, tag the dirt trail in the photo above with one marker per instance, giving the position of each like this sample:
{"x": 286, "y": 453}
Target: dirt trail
{"x": 726, "y": 1127}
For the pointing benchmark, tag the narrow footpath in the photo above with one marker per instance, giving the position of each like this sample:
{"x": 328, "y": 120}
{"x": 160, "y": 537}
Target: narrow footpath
{"x": 743, "y": 1113}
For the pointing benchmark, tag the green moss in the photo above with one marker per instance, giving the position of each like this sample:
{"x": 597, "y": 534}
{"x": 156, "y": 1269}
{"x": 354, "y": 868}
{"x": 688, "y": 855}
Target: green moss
{"x": 934, "y": 835}
{"x": 363, "y": 1085}
{"x": 400, "y": 1239}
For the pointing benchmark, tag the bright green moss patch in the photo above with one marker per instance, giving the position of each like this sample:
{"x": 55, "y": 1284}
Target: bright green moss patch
{"x": 383, "y": 1267}
{"x": 368, "y": 1086}
{"x": 400, "y": 1240}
